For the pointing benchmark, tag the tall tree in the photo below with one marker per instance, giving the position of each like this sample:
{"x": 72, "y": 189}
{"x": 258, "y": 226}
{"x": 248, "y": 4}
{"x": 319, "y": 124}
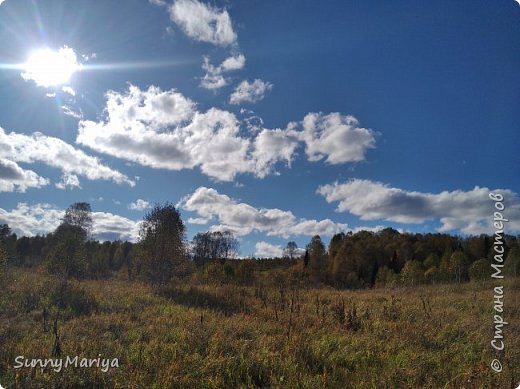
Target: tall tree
{"x": 318, "y": 259}
{"x": 335, "y": 244}
{"x": 214, "y": 245}
{"x": 3, "y": 260}
{"x": 67, "y": 255}
{"x": 161, "y": 240}
{"x": 512, "y": 263}
{"x": 79, "y": 215}
{"x": 290, "y": 250}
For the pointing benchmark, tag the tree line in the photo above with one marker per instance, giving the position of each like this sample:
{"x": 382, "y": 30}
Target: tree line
{"x": 162, "y": 254}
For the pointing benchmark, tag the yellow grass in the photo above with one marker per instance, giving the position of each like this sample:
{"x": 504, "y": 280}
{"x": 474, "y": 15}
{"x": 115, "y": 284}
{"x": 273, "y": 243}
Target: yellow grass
{"x": 227, "y": 336}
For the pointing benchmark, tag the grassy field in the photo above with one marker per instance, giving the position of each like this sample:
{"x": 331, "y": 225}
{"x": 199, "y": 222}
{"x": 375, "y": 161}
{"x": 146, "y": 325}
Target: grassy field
{"x": 205, "y": 336}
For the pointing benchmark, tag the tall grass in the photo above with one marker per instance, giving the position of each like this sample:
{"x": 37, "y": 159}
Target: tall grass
{"x": 264, "y": 335}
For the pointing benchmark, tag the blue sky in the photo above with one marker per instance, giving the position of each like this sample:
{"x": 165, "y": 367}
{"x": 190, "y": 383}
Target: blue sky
{"x": 277, "y": 120}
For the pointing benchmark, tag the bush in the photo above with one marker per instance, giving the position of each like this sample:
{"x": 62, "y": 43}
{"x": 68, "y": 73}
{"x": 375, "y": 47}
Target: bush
{"x": 3, "y": 260}
{"x": 72, "y": 299}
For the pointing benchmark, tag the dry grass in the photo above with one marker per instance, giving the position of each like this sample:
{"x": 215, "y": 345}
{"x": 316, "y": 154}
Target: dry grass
{"x": 200, "y": 336}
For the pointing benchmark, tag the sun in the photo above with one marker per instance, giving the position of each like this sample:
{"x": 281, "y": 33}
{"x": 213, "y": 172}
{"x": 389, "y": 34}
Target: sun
{"x": 48, "y": 67}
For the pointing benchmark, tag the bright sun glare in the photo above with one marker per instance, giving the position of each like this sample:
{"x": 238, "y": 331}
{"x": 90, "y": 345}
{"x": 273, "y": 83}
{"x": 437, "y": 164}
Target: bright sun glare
{"x": 49, "y": 67}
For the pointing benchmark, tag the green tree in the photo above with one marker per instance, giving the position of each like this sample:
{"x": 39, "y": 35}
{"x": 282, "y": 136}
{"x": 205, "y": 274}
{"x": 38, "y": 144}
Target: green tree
{"x": 3, "y": 261}
{"x": 245, "y": 273}
{"x": 318, "y": 260}
{"x": 213, "y": 245}
{"x": 67, "y": 254}
{"x": 291, "y": 250}
{"x": 512, "y": 262}
{"x": 432, "y": 275}
{"x": 163, "y": 252}
{"x": 119, "y": 257}
{"x": 431, "y": 261}
{"x": 412, "y": 273}
{"x": 480, "y": 269}
{"x": 386, "y": 277}
{"x": 335, "y": 244}
{"x": 454, "y": 267}
{"x": 79, "y": 215}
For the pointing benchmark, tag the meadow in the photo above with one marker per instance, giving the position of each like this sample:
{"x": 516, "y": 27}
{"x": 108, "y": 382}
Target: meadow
{"x": 272, "y": 333}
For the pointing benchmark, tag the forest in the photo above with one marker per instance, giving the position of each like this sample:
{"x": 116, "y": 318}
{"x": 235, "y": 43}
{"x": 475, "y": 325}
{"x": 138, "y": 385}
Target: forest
{"x": 352, "y": 260}
{"x": 372, "y": 309}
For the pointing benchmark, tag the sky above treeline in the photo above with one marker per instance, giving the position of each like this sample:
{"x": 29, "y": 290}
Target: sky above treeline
{"x": 277, "y": 120}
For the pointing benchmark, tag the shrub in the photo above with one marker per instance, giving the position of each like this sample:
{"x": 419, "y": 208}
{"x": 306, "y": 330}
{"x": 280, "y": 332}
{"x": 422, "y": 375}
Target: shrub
{"x": 72, "y": 299}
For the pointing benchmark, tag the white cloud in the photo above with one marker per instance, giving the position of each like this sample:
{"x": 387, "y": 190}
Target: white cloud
{"x": 271, "y": 146}
{"x": 334, "y": 137}
{"x": 69, "y": 90}
{"x": 29, "y": 220}
{"x": 139, "y": 205}
{"x": 264, "y": 249}
{"x": 471, "y": 212}
{"x": 163, "y": 129}
{"x": 70, "y": 112}
{"x": 158, "y": 2}
{"x": 251, "y": 92}
{"x": 14, "y": 178}
{"x": 203, "y": 22}
{"x": 243, "y": 219}
{"x": 68, "y": 181}
{"x": 197, "y": 220}
{"x": 56, "y": 153}
{"x": 108, "y": 226}
{"x": 214, "y": 77}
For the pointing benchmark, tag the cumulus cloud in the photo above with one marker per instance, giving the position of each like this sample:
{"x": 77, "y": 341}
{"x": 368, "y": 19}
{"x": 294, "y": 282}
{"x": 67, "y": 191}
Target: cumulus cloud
{"x": 108, "y": 226}
{"x": 139, "y": 205}
{"x": 203, "y": 22}
{"x": 243, "y": 219}
{"x": 334, "y": 137}
{"x": 264, "y": 249}
{"x": 164, "y": 129}
{"x": 30, "y": 220}
{"x": 68, "y": 181}
{"x": 470, "y": 212}
{"x": 69, "y": 90}
{"x": 271, "y": 146}
{"x": 214, "y": 77}
{"x": 56, "y": 153}
{"x": 197, "y": 220}
{"x": 14, "y": 178}
{"x": 250, "y": 92}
